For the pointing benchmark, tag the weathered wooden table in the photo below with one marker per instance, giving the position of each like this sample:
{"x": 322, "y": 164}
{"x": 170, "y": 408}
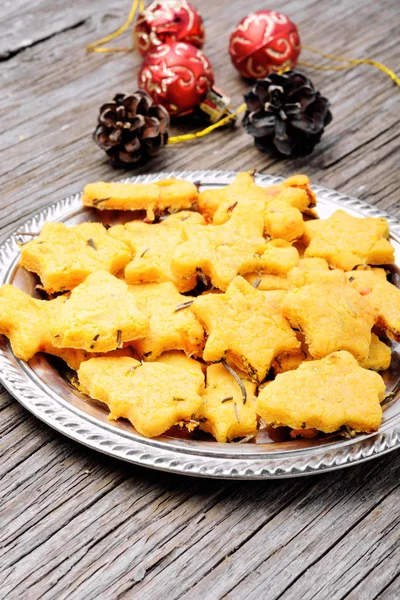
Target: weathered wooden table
{"x": 78, "y": 525}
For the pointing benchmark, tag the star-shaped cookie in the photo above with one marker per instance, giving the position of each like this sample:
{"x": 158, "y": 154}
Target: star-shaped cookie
{"x": 26, "y": 321}
{"x": 246, "y": 326}
{"x": 153, "y": 246}
{"x": 99, "y": 316}
{"x": 224, "y": 414}
{"x": 346, "y": 241}
{"x": 373, "y": 285}
{"x": 234, "y": 248}
{"x": 172, "y": 326}
{"x": 332, "y": 316}
{"x": 64, "y": 256}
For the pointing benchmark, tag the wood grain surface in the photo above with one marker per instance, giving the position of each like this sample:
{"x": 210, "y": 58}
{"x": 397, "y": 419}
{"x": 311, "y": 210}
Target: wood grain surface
{"x": 78, "y": 525}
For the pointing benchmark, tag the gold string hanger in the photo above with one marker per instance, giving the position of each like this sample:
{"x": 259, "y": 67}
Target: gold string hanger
{"x": 350, "y": 63}
{"x": 96, "y": 46}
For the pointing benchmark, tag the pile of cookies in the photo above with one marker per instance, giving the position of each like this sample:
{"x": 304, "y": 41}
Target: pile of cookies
{"x": 222, "y": 311}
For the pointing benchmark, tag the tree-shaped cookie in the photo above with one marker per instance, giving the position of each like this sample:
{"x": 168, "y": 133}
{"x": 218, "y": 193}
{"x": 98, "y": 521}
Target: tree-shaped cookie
{"x": 246, "y": 326}
{"x": 153, "y": 396}
{"x": 326, "y": 395}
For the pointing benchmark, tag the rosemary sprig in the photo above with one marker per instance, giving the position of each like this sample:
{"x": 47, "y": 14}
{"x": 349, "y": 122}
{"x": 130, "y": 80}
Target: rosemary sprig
{"x": 98, "y": 201}
{"x": 91, "y": 243}
{"x": 226, "y": 399}
{"x": 30, "y": 233}
{"x": 237, "y": 379}
{"x": 201, "y": 277}
{"x": 236, "y": 412}
{"x": 119, "y": 338}
{"x": 244, "y": 439}
{"x": 390, "y": 396}
{"x": 184, "y": 305}
{"x": 256, "y": 282}
{"x": 96, "y": 337}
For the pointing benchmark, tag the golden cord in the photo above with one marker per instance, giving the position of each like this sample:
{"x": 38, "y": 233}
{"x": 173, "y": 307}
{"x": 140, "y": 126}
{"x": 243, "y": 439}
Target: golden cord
{"x": 191, "y": 136}
{"x": 96, "y": 46}
{"x": 351, "y": 62}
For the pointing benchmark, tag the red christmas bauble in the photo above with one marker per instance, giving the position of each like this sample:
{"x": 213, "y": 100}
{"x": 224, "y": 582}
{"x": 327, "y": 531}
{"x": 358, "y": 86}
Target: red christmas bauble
{"x": 177, "y": 75}
{"x": 262, "y": 42}
{"x": 167, "y": 21}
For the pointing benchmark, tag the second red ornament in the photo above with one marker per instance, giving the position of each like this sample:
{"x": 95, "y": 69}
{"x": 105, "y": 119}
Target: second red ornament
{"x": 177, "y": 75}
{"x": 263, "y": 42}
{"x": 168, "y": 21}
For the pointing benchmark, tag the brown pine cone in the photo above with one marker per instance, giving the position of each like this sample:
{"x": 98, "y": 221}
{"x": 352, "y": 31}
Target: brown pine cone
{"x": 131, "y": 129}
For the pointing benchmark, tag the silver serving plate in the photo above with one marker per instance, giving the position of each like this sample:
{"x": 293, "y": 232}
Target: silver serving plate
{"x": 43, "y": 387}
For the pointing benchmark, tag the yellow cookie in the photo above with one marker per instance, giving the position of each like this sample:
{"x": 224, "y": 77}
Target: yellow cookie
{"x": 310, "y": 272}
{"x": 224, "y": 414}
{"x": 267, "y": 281}
{"x": 281, "y": 205}
{"x": 152, "y": 396}
{"x": 326, "y": 395}
{"x": 246, "y": 326}
{"x": 171, "y": 194}
{"x": 64, "y": 256}
{"x": 74, "y": 358}
{"x": 153, "y": 246}
{"x": 99, "y": 316}
{"x": 382, "y": 295}
{"x": 279, "y": 257}
{"x": 379, "y": 356}
{"x": 26, "y": 321}
{"x": 222, "y": 251}
{"x": 172, "y": 326}
{"x": 243, "y": 188}
{"x": 332, "y": 317}
{"x": 346, "y": 241}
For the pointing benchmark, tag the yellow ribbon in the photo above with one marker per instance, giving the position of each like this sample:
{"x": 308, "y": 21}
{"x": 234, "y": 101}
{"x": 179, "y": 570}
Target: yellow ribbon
{"x": 351, "y": 62}
{"x": 94, "y": 46}
{"x": 191, "y": 136}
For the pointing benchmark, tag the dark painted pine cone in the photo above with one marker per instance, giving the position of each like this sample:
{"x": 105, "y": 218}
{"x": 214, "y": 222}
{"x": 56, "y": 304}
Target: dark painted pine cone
{"x": 285, "y": 112}
{"x": 131, "y": 129}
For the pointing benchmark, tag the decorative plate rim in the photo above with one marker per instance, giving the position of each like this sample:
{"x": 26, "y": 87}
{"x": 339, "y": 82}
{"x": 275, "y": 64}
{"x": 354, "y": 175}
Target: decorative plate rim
{"x": 183, "y": 460}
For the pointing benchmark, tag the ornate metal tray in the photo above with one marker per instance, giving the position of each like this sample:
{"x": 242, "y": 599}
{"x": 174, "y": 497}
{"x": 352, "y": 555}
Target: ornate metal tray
{"x": 43, "y": 389}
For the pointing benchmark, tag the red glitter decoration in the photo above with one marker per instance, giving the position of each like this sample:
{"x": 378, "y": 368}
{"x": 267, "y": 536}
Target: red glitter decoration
{"x": 177, "y": 75}
{"x": 263, "y": 42}
{"x": 168, "y": 21}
